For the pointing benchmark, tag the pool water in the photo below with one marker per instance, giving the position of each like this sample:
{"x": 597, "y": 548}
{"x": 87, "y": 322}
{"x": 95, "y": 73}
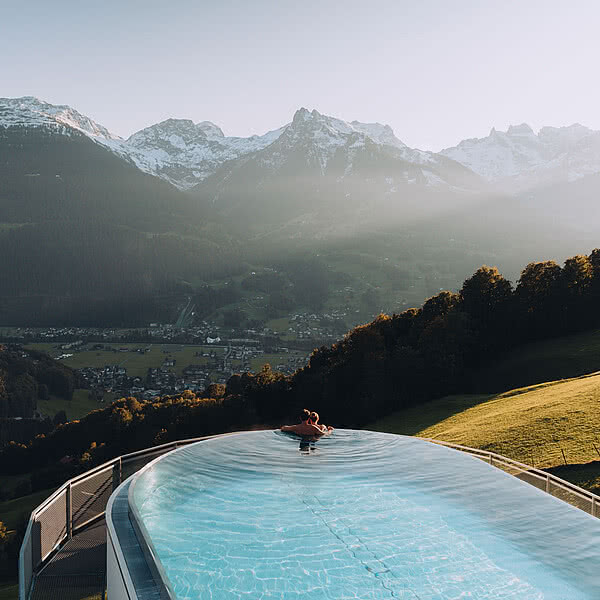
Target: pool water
{"x": 358, "y": 514}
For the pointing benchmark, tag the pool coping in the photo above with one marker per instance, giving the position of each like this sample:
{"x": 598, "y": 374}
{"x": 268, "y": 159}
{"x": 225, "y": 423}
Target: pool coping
{"x": 137, "y": 579}
{"x": 144, "y": 540}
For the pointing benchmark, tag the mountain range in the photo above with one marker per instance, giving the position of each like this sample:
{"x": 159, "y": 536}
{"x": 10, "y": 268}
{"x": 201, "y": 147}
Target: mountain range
{"x": 96, "y": 229}
{"x": 185, "y": 153}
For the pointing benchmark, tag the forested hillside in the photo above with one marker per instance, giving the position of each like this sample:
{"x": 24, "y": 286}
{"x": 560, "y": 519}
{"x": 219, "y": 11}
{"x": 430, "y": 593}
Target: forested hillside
{"x": 26, "y": 376}
{"x": 393, "y": 362}
{"x": 87, "y": 238}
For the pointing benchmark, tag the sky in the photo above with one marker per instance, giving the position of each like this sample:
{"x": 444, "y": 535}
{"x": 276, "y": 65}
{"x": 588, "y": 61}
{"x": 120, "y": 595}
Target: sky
{"x": 437, "y": 71}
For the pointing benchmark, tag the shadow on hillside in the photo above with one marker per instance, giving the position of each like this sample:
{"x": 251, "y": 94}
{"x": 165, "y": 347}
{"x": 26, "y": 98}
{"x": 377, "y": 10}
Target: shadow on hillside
{"x": 547, "y": 360}
{"x": 413, "y": 420}
{"x": 585, "y": 475}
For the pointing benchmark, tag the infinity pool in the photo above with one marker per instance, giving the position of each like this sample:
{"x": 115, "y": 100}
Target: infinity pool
{"x": 358, "y": 514}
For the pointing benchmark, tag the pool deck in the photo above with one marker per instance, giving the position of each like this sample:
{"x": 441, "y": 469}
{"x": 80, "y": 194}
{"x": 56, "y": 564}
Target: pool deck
{"x": 77, "y": 570}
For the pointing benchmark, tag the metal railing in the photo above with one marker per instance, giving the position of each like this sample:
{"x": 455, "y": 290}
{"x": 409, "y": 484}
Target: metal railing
{"x": 77, "y": 504}
{"x": 559, "y": 488}
{"x": 82, "y": 500}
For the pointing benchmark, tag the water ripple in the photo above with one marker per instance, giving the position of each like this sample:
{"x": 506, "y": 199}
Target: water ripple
{"x": 359, "y": 515}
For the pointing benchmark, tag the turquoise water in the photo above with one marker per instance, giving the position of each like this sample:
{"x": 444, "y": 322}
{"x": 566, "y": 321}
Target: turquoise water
{"x": 359, "y": 514}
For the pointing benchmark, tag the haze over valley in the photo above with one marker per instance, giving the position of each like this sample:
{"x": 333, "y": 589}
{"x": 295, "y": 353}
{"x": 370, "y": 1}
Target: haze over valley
{"x": 320, "y": 215}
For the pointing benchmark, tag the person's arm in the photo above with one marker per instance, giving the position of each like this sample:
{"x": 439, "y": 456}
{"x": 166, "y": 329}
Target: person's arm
{"x": 318, "y": 429}
{"x": 287, "y": 428}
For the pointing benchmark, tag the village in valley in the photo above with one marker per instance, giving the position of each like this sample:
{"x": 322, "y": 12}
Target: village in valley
{"x": 164, "y": 359}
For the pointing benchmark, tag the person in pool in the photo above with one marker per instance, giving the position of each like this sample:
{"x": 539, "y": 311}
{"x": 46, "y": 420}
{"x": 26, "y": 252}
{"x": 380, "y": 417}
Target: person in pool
{"x": 314, "y": 420}
{"x": 305, "y": 427}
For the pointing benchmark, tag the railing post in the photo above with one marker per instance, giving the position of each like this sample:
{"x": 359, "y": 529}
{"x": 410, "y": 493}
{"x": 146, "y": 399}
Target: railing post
{"x": 547, "y": 484}
{"x": 69, "y": 515}
{"x": 116, "y": 474}
{"x": 491, "y": 460}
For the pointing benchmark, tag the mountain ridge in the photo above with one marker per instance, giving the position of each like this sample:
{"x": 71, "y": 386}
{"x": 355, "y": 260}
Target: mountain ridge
{"x": 186, "y": 154}
{"x": 519, "y": 158}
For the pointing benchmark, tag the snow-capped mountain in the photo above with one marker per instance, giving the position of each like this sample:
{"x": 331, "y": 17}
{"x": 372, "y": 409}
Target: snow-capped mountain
{"x": 518, "y": 158}
{"x": 340, "y": 149}
{"x": 176, "y": 150}
{"x": 186, "y": 153}
{"x": 31, "y": 112}
{"x": 327, "y": 134}
{"x": 323, "y": 170}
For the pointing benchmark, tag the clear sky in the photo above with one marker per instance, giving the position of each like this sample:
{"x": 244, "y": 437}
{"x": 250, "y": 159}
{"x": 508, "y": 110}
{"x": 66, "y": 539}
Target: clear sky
{"x": 437, "y": 71}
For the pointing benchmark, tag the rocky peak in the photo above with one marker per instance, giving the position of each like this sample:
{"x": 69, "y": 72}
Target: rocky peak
{"x": 210, "y": 129}
{"x": 33, "y": 112}
{"x": 522, "y": 129}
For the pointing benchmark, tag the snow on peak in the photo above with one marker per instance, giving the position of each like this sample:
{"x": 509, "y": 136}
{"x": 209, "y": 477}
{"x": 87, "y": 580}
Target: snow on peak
{"x": 210, "y": 129}
{"x": 301, "y": 115}
{"x": 177, "y": 133}
{"x": 319, "y": 138}
{"x": 32, "y": 112}
{"x": 501, "y": 154}
{"x": 522, "y": 157}
{"x": 522, "y": 129}
{"x": 305, "y": 120}
{"x": 565, "y": 135}
{"x": 185, "y": 153}
{"x": 177, "y": 150}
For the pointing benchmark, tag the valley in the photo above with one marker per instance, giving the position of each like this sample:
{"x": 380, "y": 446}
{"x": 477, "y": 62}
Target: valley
{"x": 145, "y": 371}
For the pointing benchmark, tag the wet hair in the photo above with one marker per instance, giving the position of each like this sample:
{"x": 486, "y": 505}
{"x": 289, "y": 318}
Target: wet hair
{"x": 305, "y": 415}
{"x": 314, "y": 417}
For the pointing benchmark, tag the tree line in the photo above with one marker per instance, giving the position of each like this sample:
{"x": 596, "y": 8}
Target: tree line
{"x": 26, "y": 376}
{"x": 393, "y": 362}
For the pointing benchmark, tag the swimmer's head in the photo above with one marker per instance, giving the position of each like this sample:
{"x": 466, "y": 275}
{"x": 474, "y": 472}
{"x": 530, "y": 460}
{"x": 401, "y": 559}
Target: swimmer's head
{"x": 305, "y": 415}
{"x": 314, "y": 417}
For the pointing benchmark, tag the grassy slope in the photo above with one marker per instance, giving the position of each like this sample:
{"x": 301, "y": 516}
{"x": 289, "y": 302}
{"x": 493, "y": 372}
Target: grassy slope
{"x": 78, "y": 407}
{"x": 535, "y": 424}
